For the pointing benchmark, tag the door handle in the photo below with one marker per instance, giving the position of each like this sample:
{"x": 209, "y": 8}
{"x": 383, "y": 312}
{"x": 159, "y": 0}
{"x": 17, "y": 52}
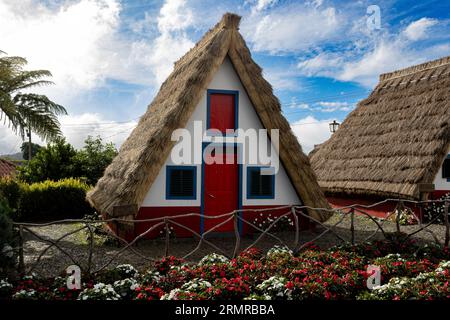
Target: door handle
{"x": 211, "y": 195}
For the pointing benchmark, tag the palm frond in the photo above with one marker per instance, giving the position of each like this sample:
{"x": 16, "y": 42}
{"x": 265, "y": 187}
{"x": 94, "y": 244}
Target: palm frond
{"x": 25, "y": 111}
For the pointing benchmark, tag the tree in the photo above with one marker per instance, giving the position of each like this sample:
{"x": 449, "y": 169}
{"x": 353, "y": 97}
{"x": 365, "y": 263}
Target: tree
{"x": 92, "y": 160}
{"x": 60, "y": 160}
{"x": 25, "y": 111}
{"x": 34, "y": 149}
{"x": 54, "y": 162}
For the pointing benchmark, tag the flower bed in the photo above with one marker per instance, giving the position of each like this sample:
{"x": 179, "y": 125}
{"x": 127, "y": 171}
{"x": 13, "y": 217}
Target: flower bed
{"x": 407, "y": 272}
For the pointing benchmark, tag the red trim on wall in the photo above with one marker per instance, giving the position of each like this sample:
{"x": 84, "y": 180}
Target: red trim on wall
{"x": 380, "y": 211}
{"x": 194, "y": 222}
{"x": 438, "y": 194}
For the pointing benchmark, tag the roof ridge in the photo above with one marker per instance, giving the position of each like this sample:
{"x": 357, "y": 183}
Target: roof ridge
{"x": 228, "y": 21}
{"x": 416, "y": 68}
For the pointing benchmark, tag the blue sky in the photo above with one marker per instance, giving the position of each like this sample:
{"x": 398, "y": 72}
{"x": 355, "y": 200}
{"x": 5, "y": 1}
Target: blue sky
{"x": 109, "y": 57}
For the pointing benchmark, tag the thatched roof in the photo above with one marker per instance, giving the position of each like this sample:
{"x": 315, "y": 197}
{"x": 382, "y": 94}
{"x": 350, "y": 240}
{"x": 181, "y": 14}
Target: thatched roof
{"x": 131, "y": 174}
{"x": 7, "y": 168}
{"x": 394, "y": 142}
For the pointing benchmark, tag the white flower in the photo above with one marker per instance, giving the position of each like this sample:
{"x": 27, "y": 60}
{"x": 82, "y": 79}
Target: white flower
{"x": 279, "y": 250}
{"x": 213, "y": 258}
{"x": 100, "y": 291}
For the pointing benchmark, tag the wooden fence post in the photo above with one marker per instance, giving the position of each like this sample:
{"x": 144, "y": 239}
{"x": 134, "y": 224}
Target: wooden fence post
{"x": 21, "y": 266}
{"x": 352, "y": 224}
{"x": 237, "y": 235}
{"x": 297, "y": 227}
{"x": 166, "y": 226}
{"x": 91, "y": 247}
{"x": 447, "y": 224}
{"x": 400, "y": 207}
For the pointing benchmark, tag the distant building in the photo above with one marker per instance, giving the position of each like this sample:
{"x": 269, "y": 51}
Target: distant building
{"x": 395, "y": 144}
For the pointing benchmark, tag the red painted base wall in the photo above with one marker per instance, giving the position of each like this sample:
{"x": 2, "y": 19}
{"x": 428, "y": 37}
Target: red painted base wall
{"x": 193, "y": 222}
{"x": 438, "y": 194}
{"x": 380, "y": 211}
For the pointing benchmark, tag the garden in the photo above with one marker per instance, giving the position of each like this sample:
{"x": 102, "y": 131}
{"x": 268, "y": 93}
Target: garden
{"x": 408, "y": 271}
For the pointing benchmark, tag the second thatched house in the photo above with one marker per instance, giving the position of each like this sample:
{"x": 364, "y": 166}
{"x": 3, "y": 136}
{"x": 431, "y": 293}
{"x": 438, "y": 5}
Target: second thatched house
{"x": 214, "y": 88}
{"x": 395, "y": 144}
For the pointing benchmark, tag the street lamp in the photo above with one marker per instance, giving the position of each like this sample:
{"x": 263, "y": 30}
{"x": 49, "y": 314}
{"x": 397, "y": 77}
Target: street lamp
{"x": 334, "y": 126}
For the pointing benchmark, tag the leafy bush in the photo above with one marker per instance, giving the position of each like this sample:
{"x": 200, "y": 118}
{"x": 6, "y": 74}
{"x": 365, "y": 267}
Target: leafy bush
{"x": 48, "y": 200}
{"x": 120, "y": 272}
{"x": 60, "y": 160}
{"x": 335, "y": 273}
{"x": 53, "y": 200}
{"x": 11, "y": 189}
{"x": 100, "y": 291}
{"x": 53, "y": 162}
{"x": 126, "y": 287}
{"x": 6, "y": 237}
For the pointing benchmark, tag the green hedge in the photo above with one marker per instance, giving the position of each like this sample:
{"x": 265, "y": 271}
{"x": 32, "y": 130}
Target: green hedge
{"x": 48, "y": 200}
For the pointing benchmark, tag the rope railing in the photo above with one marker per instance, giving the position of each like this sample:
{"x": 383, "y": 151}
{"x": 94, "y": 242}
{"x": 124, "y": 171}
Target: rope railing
{"x": 238, "y": 219}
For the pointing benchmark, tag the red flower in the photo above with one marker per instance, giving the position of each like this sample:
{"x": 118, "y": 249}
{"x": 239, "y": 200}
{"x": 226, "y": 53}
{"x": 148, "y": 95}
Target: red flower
{"x": 289, "y": 285}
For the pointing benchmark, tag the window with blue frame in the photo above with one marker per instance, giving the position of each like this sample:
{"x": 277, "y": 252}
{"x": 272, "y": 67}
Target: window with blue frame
{"x": 181, "y": 182}
{"x": 260, "y": 186}
{"x": 446, "y": 168}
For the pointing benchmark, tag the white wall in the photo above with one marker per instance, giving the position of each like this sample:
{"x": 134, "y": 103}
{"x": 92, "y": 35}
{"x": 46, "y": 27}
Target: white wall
{"x": 439, "y": 182}
{"x": 225, "y": 79}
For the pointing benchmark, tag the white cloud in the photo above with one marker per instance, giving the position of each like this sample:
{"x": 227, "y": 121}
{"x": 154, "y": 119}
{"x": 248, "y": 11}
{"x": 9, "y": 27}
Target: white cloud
{"x": 73, "y": 41}
{"x": 79, "y": 42}
{"x": 324, "y": 64}
{"x": 75, "y": 128}
{"x": 174, "y": 16}
{"x": 385, "y": 57}
{"x": 310, "y": 132}
{"x": 417, "y": 30}
{"x": 291, "y": 28}
{"x": 171, "y": 43}
{"x": 264, "y": 4}
{"x": 332, "y": 106}
{"x": 365, "y": 62}
{"x": 300, "y": 106}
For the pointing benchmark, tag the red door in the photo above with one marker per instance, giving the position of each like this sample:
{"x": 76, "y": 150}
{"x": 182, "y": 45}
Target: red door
{"x": 220, "y": 188}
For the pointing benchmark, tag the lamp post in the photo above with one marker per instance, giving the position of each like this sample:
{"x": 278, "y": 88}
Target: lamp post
{"x": 29, "y": 145}
{"x": 334, "y": 126}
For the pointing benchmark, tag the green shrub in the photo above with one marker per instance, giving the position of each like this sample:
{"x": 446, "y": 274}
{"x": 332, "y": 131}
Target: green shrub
{"x": 11, "y": 189}
{"x": 54, "y": 200}
{"x": 6, "y": 237}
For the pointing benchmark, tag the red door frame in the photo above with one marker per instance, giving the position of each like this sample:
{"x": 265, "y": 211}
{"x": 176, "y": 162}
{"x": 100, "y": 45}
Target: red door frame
{"x": 237, "y": 150}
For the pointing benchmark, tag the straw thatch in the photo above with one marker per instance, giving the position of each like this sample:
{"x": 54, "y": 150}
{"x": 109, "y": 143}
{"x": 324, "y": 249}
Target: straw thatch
{"x": 394, "y": 142}
{"x": 131, "y": 174}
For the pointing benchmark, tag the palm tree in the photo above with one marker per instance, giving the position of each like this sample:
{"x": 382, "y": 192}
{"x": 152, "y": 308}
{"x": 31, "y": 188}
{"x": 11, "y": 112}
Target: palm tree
{"x": 27, "y": 111}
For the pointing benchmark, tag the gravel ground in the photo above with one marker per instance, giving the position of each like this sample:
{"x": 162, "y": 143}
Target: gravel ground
{"x": 54, "y": 261}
